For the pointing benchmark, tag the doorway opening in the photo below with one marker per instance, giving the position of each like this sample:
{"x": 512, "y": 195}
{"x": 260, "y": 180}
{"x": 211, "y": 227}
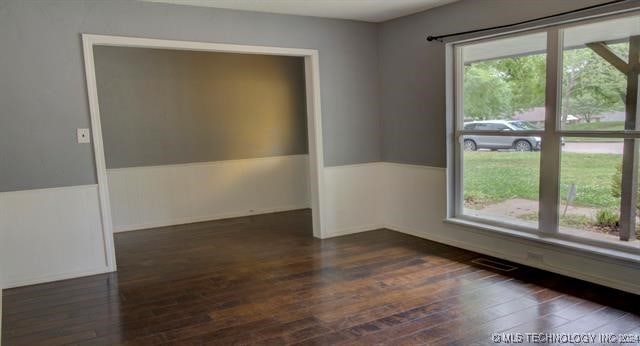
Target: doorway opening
{"x": 186, "y": 173}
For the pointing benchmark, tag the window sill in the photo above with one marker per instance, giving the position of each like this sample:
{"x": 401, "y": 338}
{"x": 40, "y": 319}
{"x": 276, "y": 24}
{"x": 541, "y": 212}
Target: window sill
{"x": 603, "y": 249}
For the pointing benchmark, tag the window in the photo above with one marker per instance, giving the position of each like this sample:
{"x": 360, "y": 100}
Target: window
{"x": 500, "y": 160}
{"x": 545, "y": 137}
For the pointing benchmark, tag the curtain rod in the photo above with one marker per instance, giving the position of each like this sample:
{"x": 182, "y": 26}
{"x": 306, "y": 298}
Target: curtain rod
{"x": 440, "y": 38}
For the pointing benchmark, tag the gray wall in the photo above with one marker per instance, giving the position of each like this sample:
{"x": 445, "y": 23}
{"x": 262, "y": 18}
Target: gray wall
{"x": 160, "y": 107}
{"x": 43, "y": 92}
{"x": 383, "y": 94}
{"x": 412, "y": 71}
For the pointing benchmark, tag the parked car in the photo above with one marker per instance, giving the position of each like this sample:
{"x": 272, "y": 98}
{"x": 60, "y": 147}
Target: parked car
{"x": 518, "y": 143}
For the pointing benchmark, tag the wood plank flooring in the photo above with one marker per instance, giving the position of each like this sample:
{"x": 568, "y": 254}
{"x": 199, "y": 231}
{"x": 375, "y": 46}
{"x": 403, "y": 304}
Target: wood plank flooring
{"x": 265, "y": 280}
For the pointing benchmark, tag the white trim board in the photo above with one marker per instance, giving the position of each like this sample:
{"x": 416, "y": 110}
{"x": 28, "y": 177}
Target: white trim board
{"x": 210, "y": 217}
{"x": 314, "y": 118}
{"x": 157, "y": 196}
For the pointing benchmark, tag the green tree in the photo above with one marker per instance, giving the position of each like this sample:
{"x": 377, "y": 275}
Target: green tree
{"x": 503, "y": 87}
{"x": 591, "y": 85}
{"x": 480, "y": 104}
{"x": 588, "y": 105}
{"x": 526, "y": 76}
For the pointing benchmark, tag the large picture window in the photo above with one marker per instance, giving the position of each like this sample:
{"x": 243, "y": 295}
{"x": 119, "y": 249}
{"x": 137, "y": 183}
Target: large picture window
{"x": 546, "y": 131}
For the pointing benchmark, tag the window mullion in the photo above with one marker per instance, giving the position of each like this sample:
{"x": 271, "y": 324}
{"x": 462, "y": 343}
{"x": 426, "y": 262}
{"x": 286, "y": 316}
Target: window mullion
{"x": 629, "y": 188}
{"x": 459, "y": 124}
{"x": 551, "y": 143}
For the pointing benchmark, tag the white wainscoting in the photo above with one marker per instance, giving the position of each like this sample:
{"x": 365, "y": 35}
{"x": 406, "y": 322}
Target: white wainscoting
{"x": 352, "y": 199}
{"x": 53, "y": 234}
{"x": 50, "y": 234}
{"x": 414, "y": 202}
{"x": 155, "y": 196}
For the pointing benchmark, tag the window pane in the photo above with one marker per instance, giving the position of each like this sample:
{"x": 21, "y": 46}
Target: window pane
{"x": 593, "y": 89}
{"x": 504, "y": 84}
{"x": 501, "y": 184}
{"x": 590, "y": 178}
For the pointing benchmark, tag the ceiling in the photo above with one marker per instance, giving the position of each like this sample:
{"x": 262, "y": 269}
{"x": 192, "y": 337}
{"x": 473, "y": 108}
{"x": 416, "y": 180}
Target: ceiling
{"x": 363, "y": 10}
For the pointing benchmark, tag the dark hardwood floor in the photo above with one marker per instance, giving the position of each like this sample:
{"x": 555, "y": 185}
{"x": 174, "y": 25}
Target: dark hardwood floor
{"x": 266, "y": 280}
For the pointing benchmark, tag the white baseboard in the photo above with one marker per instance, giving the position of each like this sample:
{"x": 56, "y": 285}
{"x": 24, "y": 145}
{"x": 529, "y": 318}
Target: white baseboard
{"x": 58, "y": 277}
{"x": 157, "y": 196}
{"x": 50, "y": 234}
{"x": 186, "y": 220}
{"x": 352, "y": 230}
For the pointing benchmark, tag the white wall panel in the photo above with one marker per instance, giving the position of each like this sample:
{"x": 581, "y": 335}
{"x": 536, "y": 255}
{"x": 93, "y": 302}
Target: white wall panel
{"x": 352, "y": 198}
{"x": 154, "y": 196}
{"x": 414, "y": 196}
{"x": 50, "y": 234}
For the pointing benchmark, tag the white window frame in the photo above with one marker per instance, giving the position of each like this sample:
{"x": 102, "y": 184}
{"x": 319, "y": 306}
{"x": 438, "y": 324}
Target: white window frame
{"x": 549, "y": 198}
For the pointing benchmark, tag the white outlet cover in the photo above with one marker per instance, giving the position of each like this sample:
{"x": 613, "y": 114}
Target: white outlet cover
{"x": 84, "y": 136}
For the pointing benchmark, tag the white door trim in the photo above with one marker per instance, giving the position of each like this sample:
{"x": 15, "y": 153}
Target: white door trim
{"x": 314, "y": 117}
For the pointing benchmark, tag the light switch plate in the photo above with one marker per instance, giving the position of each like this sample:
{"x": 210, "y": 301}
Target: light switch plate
{"x": 84, "y": 136}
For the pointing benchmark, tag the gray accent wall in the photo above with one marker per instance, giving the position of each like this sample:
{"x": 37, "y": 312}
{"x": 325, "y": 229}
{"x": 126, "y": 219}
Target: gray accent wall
{"x": 383, "y": 85}
{"x": 43, "y": 93}
{"x": 161, "y": 107}
{"x": 412, "y": 71}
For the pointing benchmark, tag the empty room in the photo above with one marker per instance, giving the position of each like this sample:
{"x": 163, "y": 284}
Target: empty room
{"x": 355, "y": 172}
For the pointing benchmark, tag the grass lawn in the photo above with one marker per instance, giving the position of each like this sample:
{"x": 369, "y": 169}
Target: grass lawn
{"x": 600, "y": 126}
{"x": 595, "y": 126}
{"x": 495, "y": 176}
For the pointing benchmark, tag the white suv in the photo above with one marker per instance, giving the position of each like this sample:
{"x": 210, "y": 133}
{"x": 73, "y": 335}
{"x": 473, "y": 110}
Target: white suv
{"x": 518, "y": 143}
